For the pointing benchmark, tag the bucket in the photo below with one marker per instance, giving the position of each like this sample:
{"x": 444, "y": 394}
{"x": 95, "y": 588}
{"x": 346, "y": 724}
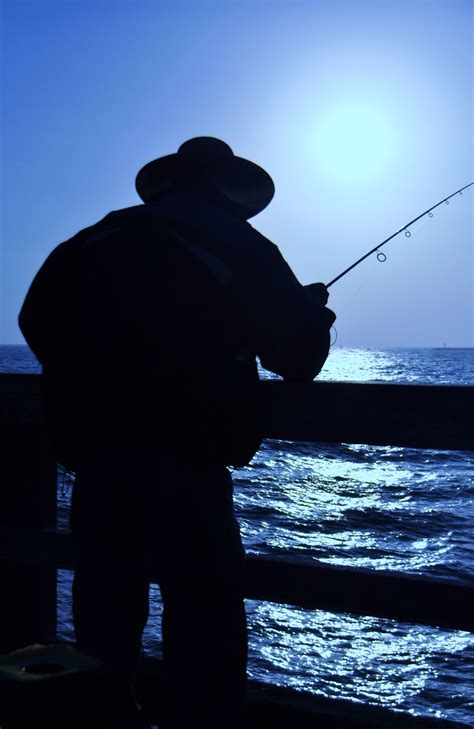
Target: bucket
{"x": 50, "y": 685}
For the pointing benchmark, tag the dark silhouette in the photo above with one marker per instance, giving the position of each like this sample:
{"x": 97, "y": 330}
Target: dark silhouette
{"x": 148, "y": 325}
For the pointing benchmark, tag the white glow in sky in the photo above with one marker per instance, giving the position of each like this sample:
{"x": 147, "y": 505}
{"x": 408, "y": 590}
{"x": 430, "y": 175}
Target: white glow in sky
{"x": 354, "y": 143}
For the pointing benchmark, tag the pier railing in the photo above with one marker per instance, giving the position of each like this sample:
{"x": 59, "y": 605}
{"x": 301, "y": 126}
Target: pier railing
{"x": 413, "y": 416}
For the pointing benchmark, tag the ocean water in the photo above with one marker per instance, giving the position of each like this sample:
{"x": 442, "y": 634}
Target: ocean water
{"x": 378, "y": 507}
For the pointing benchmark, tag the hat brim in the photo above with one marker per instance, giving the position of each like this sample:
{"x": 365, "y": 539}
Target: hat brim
{"x": 244, "y": 183}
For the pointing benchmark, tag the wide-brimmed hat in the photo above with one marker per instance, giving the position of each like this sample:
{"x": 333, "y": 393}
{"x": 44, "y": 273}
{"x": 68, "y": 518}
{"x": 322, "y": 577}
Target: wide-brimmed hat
{"x": 243, "y": 183}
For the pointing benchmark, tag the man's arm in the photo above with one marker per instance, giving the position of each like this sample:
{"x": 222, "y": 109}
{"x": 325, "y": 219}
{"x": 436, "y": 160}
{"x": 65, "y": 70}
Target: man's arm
{"x": 289, "y": 322}
{"x": 41, "y": 316}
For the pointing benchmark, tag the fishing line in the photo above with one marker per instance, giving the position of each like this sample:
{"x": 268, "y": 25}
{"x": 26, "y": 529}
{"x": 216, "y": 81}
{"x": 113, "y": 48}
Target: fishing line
{"x": 381, "y": 257}
{"x": 353, "y": 293}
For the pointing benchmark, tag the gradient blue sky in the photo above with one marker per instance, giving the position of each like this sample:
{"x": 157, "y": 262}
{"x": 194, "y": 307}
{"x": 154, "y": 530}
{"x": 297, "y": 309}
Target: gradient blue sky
{"x": 361, "y": 112}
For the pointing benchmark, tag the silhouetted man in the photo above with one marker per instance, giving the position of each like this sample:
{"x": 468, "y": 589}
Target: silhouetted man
{"x": 148, "y": 325}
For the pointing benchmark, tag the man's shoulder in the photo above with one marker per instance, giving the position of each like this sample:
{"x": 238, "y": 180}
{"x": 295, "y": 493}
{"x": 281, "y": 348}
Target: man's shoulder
{"x": 114, "y": 220}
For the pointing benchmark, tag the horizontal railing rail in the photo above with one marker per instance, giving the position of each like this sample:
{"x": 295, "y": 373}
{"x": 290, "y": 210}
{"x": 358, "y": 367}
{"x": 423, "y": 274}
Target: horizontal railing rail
{"x": 414, "y": 416}
{"x": 436, "y": 601}
{"x": 437, "y": 417}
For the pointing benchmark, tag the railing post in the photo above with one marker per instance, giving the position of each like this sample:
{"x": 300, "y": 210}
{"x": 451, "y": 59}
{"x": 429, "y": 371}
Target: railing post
{"x": 27, "y": 500}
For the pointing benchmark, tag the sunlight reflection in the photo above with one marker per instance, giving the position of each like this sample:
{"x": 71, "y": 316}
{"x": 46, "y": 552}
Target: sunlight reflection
{"x": 364, "y": 659}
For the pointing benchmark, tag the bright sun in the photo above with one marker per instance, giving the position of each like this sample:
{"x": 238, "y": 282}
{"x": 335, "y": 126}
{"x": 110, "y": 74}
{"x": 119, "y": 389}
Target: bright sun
{"x": 354, "y": 143}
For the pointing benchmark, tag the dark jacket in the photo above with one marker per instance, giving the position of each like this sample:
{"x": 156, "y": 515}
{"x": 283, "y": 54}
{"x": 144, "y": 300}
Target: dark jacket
{"x": 148, "y": 325}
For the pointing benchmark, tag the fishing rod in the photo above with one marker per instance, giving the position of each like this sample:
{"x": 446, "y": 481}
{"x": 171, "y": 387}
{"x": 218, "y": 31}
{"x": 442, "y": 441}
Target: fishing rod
{"x": 381, "y": 256}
